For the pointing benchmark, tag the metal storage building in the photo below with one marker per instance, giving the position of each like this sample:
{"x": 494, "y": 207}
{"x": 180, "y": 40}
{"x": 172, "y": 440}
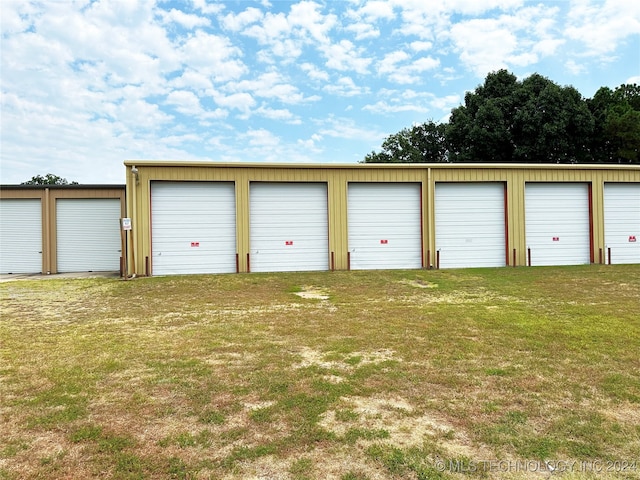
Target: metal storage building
{"x": 60, "y": 228}
{"x": 207, "y": 217}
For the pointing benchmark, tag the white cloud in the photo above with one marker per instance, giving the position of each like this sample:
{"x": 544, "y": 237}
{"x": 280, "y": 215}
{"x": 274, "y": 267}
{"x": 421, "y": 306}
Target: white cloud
{"x": 306, "y": 16}
{"x": 280, "y": 114}
{"x": 213, "y": 56}
{"x": 17, "y": 16}
{"x": 193, "y": 80}
{"x": 602, "y": 26}
{"x": 238, "y": 101}
{"x": 446, "y": 103}
{"x": 345, "y": 87}
{"x": 409, "y": 72}
{"x": 187, "y": 103}
{"x": 484, "y": 44}
{"x": 240, "y": 21}
{"x": 261, "y": 138}
{"x": 272, "y": 85}
{"x": 186, "y": 20}
{"x": 375, "y": 10}
{"x": 346, "y": 128}
{"x": 383, "y": 107}
{"x": 421, "y": 46}
{"x": 310, "y": 144}
{"x": 574, "y": 67}
{"x": 363, "y": 30}
{"x": 314, "y": 72}
{"x": 366, "y": 17}
{"x": 207, "y": 7}
{"x": 344, "y": 55}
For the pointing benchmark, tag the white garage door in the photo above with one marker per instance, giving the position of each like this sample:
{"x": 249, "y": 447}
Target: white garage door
{"x": 20, "y": 236}
{"x": 385, "y": 226}
{"x": 88, "y": 234}
{"x": 193, "y": 227}
{"x": 289, "y": 227}
{"x": 622, "y": 221}
{"x": 470, "y": 224}
{"x": 557, "y": 223}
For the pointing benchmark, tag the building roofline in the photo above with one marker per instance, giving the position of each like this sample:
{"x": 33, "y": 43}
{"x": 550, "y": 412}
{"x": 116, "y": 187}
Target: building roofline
{"x": 212, "y": 164}
{"x": 92, "y": 186}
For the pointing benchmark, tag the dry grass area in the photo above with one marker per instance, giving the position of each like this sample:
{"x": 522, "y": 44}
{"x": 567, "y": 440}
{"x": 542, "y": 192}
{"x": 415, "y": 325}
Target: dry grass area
{"x": 487, "y": 373}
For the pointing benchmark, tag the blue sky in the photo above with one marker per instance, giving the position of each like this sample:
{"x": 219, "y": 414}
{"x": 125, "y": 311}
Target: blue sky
{"x": 89, "y": 84}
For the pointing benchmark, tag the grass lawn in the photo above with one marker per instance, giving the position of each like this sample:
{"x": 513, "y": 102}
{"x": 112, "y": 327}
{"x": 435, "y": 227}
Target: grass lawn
{"x": 483, "y": 373}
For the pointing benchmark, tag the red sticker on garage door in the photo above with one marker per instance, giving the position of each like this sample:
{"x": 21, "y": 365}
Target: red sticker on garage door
{"x": 632, "y": 238}
{"x": 384, "y": 242}
{"x": 288, "y": 242}
{"x": 195, "y": 244}
{"x": 556, "y": 239}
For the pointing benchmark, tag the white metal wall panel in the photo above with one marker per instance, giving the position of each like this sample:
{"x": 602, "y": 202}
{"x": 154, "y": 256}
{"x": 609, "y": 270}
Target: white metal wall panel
{"x": 289, "y": 227}
{"x": 385, "y": 227}
{"x": 20, "y": 236}
{"x": 470, "y": 224}
{"x": 88, "y": 234}
{"x": 557, "y": 223}
{"x": 193, "y": 227}
{"x": 622, "y": 221}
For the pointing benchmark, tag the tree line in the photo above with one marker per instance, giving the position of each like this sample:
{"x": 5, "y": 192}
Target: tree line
{"x": 534, "y": 120}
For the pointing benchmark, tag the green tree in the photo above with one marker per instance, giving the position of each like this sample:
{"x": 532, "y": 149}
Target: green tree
{"x": 480, "y": 130}
{"x": 533, "y": 121}
{"x": 616, "y": 137}
{"x": 530, "y": 121}
{"x": 48, "y": 179}
{"x": 552, "y": 124}
{"x": 423, "y": 143}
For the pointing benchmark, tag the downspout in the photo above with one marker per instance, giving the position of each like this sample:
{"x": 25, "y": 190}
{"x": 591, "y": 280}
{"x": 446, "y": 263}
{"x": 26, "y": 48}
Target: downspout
{"x": 134, "y": 219}
{"x": 431, "y": 243}
{"x": 46, "y": 245}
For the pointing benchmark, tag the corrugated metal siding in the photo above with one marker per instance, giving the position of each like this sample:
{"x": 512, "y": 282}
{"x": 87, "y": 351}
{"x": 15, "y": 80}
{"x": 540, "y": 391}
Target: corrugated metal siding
{"x": 337, "y": 177}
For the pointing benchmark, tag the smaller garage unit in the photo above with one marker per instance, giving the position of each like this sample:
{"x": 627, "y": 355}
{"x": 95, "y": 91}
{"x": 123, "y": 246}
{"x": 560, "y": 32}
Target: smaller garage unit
{"x": 557, "y": 223}
{"x": 88, "y": 234}
{"x": 193, "y": 227}
{"x": 289, "y": 228}
{"x": 384, "y": 225}
{"x": 470, "y": 225}
{"x": 21, "y": 235}
{"x": 622, "y": 222}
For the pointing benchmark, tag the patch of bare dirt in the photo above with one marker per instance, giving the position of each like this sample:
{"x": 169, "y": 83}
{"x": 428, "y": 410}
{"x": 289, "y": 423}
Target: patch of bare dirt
{"x": 311, "y": 357}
